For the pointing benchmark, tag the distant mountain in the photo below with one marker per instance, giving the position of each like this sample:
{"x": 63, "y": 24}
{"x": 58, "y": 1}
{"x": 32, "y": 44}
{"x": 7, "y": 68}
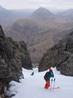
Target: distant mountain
{"x": 8, "y": 17}
{"x": 67, "y": 12}
{"x": 66, "y": 15}
{"x": 42, "y": 13}
{"x": 4, "y": 16}
{"x": 37, "y": 36}
{"x": 40, "y": 29}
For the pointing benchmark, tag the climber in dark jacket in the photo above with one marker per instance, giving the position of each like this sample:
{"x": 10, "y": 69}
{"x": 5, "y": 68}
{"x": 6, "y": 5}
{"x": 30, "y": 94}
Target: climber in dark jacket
{"x": 47, "y": 77}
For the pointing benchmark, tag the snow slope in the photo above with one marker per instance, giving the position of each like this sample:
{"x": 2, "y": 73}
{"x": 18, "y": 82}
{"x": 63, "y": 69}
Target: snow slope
{"x": 33, "y": 86}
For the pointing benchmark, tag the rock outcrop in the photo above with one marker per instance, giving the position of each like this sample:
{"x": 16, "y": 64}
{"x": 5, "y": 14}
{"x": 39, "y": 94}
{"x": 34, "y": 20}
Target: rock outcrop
{"x": 60, "y": 55}
{"x": 25, "y": 57}
{"x": 13, "y": 56}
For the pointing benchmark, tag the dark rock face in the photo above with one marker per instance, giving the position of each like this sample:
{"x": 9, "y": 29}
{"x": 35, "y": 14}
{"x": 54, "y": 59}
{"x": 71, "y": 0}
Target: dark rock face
{"x": 13, "y": 56}
{"x": 1, "y": 32}
{"x": 54, "y": 57}
{"x": 60, "y": 55}
{"x": 25, "y": 57}
{"x": 67, "y": 67}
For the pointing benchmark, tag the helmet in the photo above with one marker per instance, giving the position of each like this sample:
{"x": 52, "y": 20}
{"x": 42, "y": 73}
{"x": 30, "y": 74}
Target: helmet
{"x": 50, "y": 68}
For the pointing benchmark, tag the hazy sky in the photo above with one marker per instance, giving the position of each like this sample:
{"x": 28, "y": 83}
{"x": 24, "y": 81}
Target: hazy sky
{"x": 21, "y": 4}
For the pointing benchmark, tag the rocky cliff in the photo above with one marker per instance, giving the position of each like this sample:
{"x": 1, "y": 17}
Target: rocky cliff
{"x": 13, "y": 56}
{"x": 60, "y": 55}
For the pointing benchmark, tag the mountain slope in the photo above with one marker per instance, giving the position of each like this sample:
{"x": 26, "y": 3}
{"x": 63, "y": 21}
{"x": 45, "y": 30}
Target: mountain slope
{"x": 8, "y": 17}
{"x": 66, "y": 15}
{"x": 33, "y": 86}
{"x": 38, "y": 32}
{"x": 60, "y": 55}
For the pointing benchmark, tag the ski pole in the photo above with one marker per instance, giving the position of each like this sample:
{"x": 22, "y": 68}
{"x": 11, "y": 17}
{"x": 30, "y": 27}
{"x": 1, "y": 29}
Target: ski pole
{"x": 54, "y": 83}
{"x": 51, "y": 83}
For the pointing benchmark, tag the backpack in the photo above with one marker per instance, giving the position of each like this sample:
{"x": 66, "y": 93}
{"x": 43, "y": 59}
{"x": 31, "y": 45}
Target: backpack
{"x": 48, "y": 75}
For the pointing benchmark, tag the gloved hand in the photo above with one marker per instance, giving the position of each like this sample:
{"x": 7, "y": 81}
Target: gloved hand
{"x": 53, "y": 79}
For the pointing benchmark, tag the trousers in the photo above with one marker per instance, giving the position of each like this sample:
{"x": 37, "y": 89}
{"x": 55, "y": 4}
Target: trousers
{"x": 47, "y": 85}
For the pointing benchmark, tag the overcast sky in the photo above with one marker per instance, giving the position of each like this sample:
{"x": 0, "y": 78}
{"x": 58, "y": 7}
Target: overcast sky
{"x": 21, "y": 4}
